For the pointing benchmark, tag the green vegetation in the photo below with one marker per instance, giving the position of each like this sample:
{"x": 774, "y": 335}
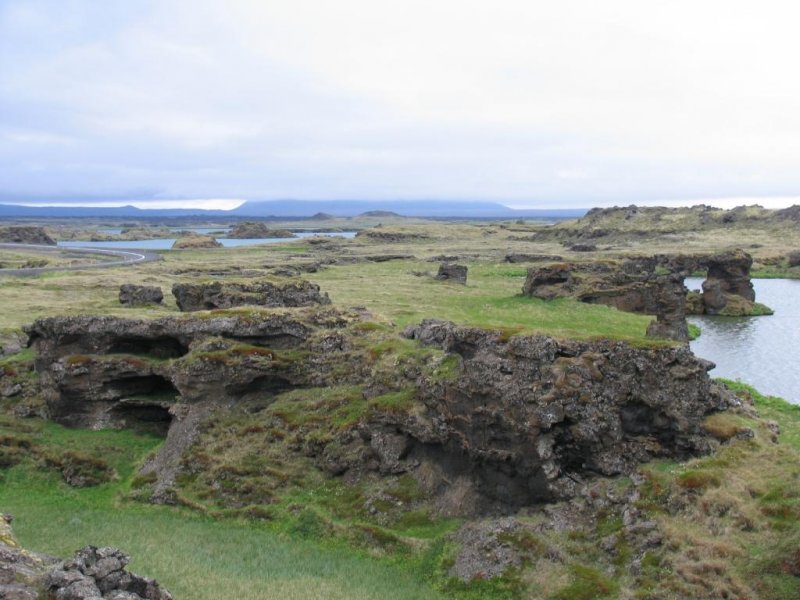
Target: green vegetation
{"x": 194, "y": 555}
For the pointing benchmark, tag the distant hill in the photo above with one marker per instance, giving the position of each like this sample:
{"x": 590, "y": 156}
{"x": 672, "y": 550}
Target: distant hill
{"x": 300, "y": 209}
{"x": 379, "y": 213}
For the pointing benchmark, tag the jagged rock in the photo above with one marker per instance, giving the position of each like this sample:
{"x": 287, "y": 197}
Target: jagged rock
{"x": 26, "y": 235}
{"x": 549, "y": 282}
{"x": 670, "y": 320}
{"x": 523, "y": 420}
{"x": 728, "y": 275}
{"x": 520, "y": 258}
{"x": 139, "y": 295}
{"x": 531, "y": 417}
{"x": 256, "y": 230}
{"x": 92, "y": 574}
{"x": 208, "y": 296}
{"x": 454, "y": 273}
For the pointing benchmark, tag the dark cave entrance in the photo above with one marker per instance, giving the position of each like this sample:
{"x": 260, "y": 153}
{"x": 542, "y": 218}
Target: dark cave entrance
{"x": 158, "y": 347}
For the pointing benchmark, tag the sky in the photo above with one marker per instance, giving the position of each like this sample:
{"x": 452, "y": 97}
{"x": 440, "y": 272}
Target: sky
{"x": 531, "y": 103}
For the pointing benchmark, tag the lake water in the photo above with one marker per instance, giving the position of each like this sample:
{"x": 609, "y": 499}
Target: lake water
{"x": 761, "y": 351}
{"x": 166, "y": 243}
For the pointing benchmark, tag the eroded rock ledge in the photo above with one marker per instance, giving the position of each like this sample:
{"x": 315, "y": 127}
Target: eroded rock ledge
{"x": 515, "y": 421}
{"x": 536, "y": 416}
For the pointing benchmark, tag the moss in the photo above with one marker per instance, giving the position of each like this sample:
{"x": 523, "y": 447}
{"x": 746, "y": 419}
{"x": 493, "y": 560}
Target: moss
{"x": 587, "y": 583}
{"x": 695, "y": 479}
{"x": 397, "y": 402}
{"x": 80, "y": 469}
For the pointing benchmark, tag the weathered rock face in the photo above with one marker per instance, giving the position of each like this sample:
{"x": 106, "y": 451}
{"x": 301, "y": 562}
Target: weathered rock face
{"x": 728, "y": 275}
{"x": 529, "y": 418}
{"x": 454, "y": 273}
{"x": 165, "y": 375}
{"x": 26, "y": 235}
{"x": 139, "y": 295}
{"x": 93, "y": 573}
{"x": 519, "y": 421}
{"x": 208, "y": 296}
{"x": 632, "y": 286}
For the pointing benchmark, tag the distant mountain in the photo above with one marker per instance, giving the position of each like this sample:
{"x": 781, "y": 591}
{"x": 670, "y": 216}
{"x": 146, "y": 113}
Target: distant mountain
{"x": 406, "y": 208}
{"x": 297, "y": 208}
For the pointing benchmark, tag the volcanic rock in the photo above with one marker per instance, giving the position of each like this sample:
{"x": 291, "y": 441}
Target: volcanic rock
{"x": 139, "y": 295}
{"x": 454, "y": 273}
{"x": 520, "y": 258}
{"x": 93, "y": 573}
{"x": 208, "y": 296}
{"x": 530, "y": 417}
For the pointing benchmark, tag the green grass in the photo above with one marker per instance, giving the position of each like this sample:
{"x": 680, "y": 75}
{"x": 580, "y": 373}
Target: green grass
{"x": 194, "y": 556}
{"x": 491, "y": 299}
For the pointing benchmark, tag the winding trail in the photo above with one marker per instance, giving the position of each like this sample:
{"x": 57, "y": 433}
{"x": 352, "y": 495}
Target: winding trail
{"x": 127, "y": 257}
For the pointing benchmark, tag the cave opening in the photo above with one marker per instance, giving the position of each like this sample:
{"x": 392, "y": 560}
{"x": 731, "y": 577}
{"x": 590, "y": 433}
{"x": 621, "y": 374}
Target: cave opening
{"x": 158, "y": 347}
{"x": 143, "y": 417}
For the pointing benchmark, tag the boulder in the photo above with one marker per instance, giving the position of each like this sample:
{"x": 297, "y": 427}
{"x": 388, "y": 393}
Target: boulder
{"x": 139, "y": 295}
{"x": 214, "y": 295}
{"x": 454, "y": 273}
{"x": 92, "y": 573}
{"x": 26, "y": 235}
{"x": 549, "y": 282}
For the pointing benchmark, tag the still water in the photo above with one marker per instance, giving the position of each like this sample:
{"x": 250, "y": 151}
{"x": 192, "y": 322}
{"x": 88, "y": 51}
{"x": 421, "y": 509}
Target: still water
{"x": 166, "y": 243}
{"x": 761, "y": 351}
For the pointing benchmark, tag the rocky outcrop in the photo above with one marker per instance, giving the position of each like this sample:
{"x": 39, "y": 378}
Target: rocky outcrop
{"x": 516, "y": 421}
{"x": 164, "y": 375}
{"x": 633, "y": 286}
{"x": 208, "y": 296}
{"x": 257, "y": 230}
{"x": 454, "y": 273}
{"x": 530, "y": 418}
{"x": 728, "y": 275}
{"x": 139, "y": 295}
{"x": 26, "y": 235}
{"x": 521, "y": 258}
{"x": 196, "y": 241}
{"x": 92, "y": 574}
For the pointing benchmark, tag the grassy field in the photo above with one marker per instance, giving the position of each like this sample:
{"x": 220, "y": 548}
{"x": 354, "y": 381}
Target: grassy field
{"x": 730, "y": 520}
{"x": 194, "y": 556}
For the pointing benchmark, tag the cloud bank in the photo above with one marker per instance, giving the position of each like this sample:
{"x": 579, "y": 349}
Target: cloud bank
{"x": 530, "y": 103}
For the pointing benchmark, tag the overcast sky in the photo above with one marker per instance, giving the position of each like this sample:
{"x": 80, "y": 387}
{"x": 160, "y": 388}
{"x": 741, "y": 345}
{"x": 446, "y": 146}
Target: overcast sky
{"x": 531, "y": 103}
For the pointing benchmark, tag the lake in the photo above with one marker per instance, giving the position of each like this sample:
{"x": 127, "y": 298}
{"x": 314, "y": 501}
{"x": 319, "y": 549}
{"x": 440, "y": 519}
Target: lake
{"x": 761, "y": 351}
{"x": 166, "y": 243}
